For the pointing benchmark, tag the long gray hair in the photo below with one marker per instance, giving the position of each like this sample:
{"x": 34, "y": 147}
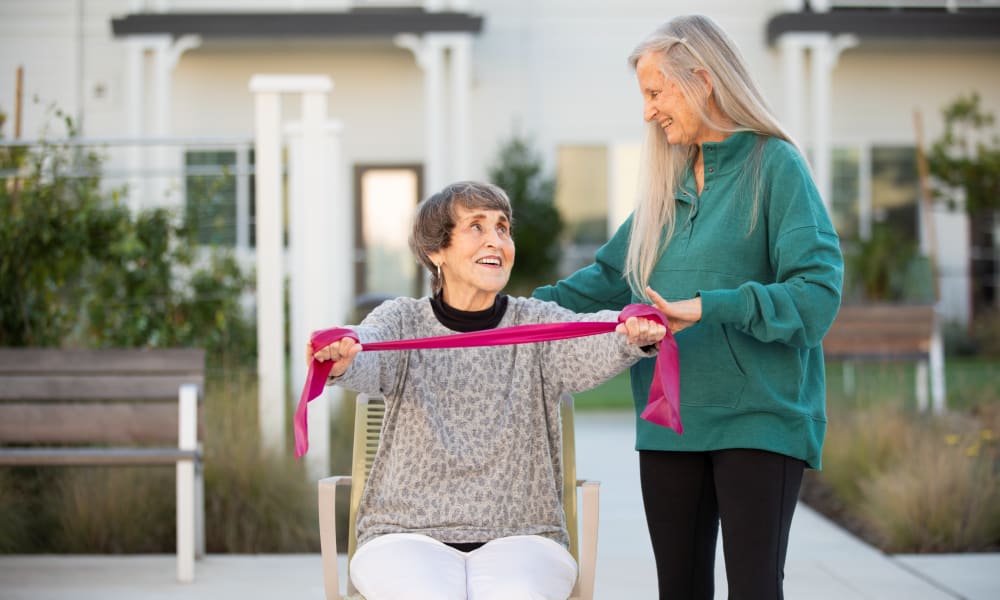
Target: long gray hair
{"x": 682, "y": 46}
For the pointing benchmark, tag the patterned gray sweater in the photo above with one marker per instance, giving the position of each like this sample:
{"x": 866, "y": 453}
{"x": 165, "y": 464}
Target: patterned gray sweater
{"x": 471, "y": 443}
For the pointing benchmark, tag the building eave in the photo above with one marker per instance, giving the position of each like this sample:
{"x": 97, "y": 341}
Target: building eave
{"x": 886, "y": 24}
{"x": 242, "y": 25}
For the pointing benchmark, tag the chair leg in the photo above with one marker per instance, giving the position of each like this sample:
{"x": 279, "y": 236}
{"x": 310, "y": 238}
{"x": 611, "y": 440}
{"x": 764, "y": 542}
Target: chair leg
{"x": 588, "y": 538}
{"x": 328, "y": 533}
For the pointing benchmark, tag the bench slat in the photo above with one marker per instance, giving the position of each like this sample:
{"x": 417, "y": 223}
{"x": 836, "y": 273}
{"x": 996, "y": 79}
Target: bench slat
{"x": 142, "y": 360}
{"x": 88, "y": 423}
{"x": 880, "y": 332}
{"x": 94, "y": 456}
{"x": 93, "y": 387}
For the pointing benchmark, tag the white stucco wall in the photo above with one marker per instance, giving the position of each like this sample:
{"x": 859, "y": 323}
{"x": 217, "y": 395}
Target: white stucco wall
{"x": 552, "y": 69}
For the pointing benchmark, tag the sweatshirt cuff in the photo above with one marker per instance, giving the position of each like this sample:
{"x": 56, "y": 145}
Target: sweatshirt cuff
{"x": 723, "y": 306}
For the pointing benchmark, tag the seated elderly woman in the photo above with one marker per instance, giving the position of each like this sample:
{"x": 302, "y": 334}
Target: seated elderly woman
{"x": 464, "y": 496}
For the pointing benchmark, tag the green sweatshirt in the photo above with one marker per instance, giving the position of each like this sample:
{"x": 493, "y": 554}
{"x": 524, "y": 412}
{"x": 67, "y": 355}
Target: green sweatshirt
{"x": 752, "y": 373}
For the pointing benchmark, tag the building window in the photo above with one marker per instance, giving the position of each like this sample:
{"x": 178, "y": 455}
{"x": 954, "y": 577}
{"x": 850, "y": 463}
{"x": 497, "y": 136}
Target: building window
{"x": 875, "y": 186}
{"x": 846, "y": 193}
{"x": 385, "y": 200}
{"x": 582, "y": 201}
{"x": 895, "y": 191}
{"x": 219, "y": 196}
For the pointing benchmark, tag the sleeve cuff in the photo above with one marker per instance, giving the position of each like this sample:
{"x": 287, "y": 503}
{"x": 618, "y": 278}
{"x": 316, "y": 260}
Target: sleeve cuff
{"x": 723, "y": 306}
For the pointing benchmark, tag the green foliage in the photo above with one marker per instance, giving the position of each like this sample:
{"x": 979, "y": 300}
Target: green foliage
{"x": 537, "y": 224}
{"x": 77, "y": 268}
{"x": 877, "y": 269}
{"x": 967, "y": 155}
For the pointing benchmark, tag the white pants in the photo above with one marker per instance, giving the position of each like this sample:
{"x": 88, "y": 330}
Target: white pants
{"x": 410, "y": 566}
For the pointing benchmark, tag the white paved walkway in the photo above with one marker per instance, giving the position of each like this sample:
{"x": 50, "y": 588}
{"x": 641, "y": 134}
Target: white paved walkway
{"x": 824, "y": 562}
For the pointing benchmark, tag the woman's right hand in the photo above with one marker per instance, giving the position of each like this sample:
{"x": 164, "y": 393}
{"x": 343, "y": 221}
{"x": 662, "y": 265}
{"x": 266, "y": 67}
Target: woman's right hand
{"x": 341, "y": 352}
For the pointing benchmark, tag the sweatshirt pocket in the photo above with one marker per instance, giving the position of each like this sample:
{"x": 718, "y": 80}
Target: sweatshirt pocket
{"x": 710, "y": 374}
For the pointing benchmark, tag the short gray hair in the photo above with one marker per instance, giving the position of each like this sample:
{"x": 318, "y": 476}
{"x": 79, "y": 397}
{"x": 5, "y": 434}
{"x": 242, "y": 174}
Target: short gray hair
{"x": 435, "y": 218}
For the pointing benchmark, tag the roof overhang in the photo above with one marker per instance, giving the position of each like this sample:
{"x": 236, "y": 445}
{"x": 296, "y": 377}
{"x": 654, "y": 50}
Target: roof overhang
{"x": 243, "y": 25}
{"x": 891, "y": 24}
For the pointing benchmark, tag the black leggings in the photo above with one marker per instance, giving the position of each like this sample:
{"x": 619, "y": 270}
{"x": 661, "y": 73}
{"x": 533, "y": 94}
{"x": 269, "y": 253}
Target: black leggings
{"x": 685, "y": 495}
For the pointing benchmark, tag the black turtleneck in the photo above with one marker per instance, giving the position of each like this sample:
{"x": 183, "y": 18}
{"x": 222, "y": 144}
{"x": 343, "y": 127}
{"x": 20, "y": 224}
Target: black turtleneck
{"x": 465, "y": 321}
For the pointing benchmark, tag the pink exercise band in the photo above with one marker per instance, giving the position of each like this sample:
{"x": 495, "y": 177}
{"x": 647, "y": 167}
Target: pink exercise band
{"x": 662, "y": 408}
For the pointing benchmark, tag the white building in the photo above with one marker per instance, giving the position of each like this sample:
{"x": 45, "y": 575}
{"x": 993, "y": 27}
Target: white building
{"x": 425, "y": 92}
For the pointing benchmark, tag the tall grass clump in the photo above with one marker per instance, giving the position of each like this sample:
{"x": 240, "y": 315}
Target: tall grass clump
{"x": 255, "y": 502}
{"x": 860, "y": 443}
{"x": 944, "y": 497}
{"x": 913, "y": 483}
{"x": 15, "y": 524}
{"x": 113, "y": 510}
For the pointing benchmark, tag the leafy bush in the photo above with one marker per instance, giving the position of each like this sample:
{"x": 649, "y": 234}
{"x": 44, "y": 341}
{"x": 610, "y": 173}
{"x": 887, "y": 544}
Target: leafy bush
{"x": 77, "y": 268}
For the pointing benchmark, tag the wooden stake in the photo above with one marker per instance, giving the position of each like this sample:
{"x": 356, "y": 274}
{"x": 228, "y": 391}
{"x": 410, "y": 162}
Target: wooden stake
{"x": 926, "y": 193}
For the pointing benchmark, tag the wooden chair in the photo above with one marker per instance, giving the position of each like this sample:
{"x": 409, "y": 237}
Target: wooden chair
{"x": 367, "y": 427}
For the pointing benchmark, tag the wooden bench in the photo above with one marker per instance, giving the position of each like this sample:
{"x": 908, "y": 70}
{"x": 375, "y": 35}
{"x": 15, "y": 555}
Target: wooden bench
{"x": 110, "y": 407}
{"x": 891, "y": 332}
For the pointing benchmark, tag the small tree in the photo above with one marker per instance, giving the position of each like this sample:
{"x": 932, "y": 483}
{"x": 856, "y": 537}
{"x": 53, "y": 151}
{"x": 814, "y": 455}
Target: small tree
{"x": 966, "y": 159}
{"x": 537, "y": 223}
{"x": 967, "y": 156}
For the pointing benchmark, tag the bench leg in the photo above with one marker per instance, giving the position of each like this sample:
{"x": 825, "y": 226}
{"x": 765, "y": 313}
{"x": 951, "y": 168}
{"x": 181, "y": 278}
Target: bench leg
{"x": 188, "y": 484}
{"x": 921, "y": 385}
{"x": 848, "y": 375}
{"x": 937, "y": 373}
{"x": 199, "y": 506}
{"x": 185, "y": 520}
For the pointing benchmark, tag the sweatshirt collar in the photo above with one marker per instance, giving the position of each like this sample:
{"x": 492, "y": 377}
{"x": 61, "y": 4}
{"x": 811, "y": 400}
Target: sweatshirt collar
{"x": 723, "y": 157}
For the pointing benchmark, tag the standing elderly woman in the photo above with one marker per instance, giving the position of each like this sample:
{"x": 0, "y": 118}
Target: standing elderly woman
{"x": 731, "y": 240}
{"x": 464, "y": 497}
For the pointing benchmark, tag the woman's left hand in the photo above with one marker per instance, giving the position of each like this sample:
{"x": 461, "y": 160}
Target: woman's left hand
{"x": 681, "y": 314}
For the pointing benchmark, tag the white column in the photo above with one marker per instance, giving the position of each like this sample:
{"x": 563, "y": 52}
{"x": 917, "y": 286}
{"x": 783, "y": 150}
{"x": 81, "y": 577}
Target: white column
{"x": 270, "y": 274}
{"x": 320, "y": 258}
{"x": 166, "y": 54}
{"x": 459, "y": 76}
{"x": 825, "y": 53}
{"x": 135, "y": 83}
{"x": 792, "y": 50}
{"x": 270, "y": 278}
{"x": 820, "y": 71}
{"x": 429, "y": 53}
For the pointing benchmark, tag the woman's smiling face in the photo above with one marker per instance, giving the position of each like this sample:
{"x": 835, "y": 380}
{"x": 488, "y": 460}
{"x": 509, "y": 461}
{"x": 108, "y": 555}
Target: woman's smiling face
{"x": 665, "y": 104}
{"x": 476, "y": 264}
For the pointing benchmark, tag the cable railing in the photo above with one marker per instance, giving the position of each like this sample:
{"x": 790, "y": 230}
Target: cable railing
{"x": 209, "y": 180}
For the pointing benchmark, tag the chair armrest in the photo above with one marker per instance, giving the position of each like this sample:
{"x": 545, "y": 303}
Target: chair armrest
{"x": 328, "y": 532}
{"x": 588, "y": 535}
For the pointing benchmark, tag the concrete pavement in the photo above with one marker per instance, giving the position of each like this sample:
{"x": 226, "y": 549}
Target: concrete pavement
{"x": 824, "y": 562}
